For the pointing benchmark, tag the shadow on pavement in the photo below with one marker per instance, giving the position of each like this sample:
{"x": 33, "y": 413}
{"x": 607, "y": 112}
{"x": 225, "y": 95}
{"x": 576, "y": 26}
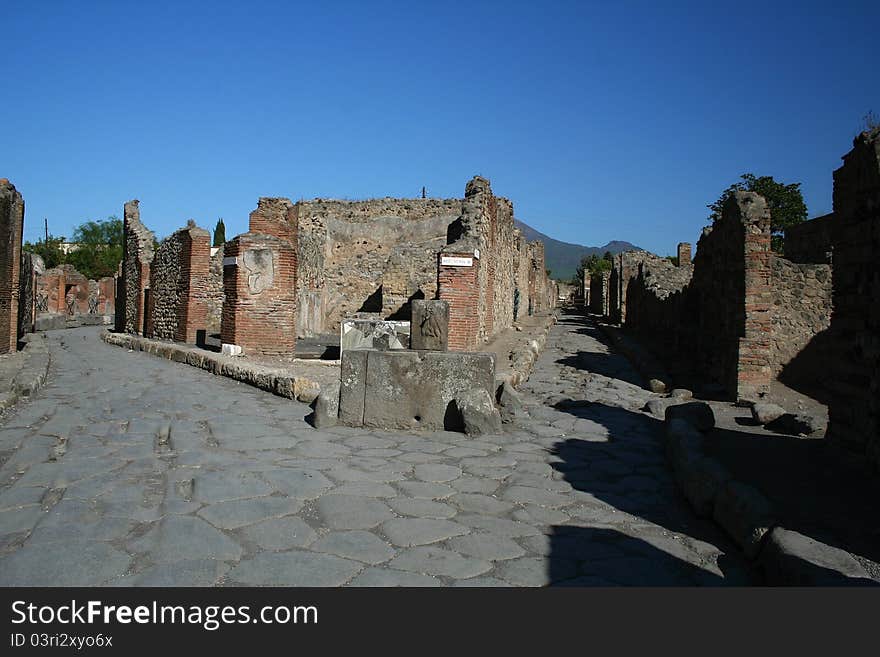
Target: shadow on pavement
{"x": 647, "y": 493}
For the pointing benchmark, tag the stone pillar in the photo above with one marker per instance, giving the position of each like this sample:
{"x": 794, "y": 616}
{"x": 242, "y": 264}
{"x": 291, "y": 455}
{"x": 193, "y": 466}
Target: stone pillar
{"x": 684, "y": 253}
{"x": 11, "y": 227}
{"x": 458, "y": 284}
{"x": 137, "y": 256}
{"x": 31, "y": 268}
{"x": 753, "y": 366}
{"x": 259, "y": 280}
{"x": 430, "y": 325}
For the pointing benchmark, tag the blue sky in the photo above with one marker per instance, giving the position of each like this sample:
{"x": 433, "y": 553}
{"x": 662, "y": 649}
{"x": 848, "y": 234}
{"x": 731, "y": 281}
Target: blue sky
{"x": 600, "y": 121}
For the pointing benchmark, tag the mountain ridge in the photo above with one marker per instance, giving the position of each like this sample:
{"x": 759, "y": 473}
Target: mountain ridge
{"x": 563, "y": 258}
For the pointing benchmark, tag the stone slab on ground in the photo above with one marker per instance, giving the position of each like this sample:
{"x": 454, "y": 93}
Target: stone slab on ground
{"x": 410, "y": 389}
{"x": 792, "y": 559}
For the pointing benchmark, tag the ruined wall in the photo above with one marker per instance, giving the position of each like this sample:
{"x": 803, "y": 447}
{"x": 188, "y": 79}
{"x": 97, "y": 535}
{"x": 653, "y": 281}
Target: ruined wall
{"x": 480, "y": 269}
{"x": 375, "y": 255}
{"x": 214, "y": 295}
{"x": 138, "y": 254}
{"x": 599, "y": 293}
{"x": 61, "y": 285}
{"x": 854, "y": 410}
{"x": 31, "y": 268}
{"x": 714, "y": 320}
{"x": 801, "y": 308}
{"x": 179, "y": 285}
{"x": 259, "y": 281}
{"x": 11, "y": 227}
{"x": 540, "y": 297}
{"x": 523, "y": 267}
{"x": 811, "y": 241}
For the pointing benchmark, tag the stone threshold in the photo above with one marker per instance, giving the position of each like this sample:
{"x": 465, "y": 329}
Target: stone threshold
{"x": 271, "y": 379}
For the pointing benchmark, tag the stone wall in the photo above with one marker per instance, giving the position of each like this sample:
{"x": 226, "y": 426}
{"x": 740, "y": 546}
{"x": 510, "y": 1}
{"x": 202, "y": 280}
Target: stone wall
{"x": 480, "y": 269}
{"x": 259, "y": 281}
{"x": 138, "y": 254}
{"x": 811, "y": 241}
{"x": 179, "y": 285}
{"x": 715, "y": 319}
{"x": 31, "y": 268}
{"x": 372, "y": 255}
{"x": 11, "y": 227}
{"x": 600, "y": 293}
{"x": 215, "y": 295}
{"x": 801, "y": 310}
{"x": 854, "y": 409}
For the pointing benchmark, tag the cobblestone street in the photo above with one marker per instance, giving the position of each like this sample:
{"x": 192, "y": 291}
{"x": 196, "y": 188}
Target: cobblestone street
{"x": 126, "y": 469}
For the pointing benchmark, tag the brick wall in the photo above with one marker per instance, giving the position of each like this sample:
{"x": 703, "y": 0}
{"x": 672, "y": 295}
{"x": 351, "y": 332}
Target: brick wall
{"x": 57, "y": 283}
{"x": 854, "y": 409}
{"x": 459, "y": 286}
{"x": 684, "y": 253}
{"x": 259, "y": 281}
{"x": 485, "y": 232}
{"x": 11, "y": 226}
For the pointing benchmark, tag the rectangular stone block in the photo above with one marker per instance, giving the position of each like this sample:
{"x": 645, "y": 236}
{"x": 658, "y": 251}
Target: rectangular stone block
{"x": 352, "y": 382}
{"x": 416, "y": 389}
{"x": 430, "y": 325}
{"x": 380, "y": 334}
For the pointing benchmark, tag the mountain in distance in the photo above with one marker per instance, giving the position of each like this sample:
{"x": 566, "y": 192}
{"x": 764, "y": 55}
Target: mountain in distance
{"x": 563, "y": 258}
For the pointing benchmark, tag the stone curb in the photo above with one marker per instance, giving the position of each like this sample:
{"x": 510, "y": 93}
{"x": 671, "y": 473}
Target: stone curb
{"x": 784, "y": 557}
{"x": 525, "y": 355}
{"x": 276, "y": 381}
{"x": 33, "y": 373}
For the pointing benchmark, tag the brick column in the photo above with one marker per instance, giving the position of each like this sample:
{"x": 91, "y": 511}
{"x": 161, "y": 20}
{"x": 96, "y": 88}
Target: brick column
{"x": 458, "y": 284}
{"x": 259, "y": 280}
{"x": 684, "y": 253}
{"x": 195, "y": 265}
{"x": 753, "y": 366}
{"x": 11, "y": 226}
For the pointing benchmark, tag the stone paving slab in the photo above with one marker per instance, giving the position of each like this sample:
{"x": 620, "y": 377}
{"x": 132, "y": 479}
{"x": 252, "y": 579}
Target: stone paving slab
{"x": 169, "y": 474}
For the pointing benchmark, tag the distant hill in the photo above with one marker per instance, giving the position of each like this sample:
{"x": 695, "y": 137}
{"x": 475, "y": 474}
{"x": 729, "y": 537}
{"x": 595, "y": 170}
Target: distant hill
{"x": 563, "y": 258}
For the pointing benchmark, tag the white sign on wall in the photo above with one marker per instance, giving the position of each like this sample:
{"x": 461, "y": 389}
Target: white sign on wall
{"x": 455, "y": 261}
{"x": 231, "y": 261}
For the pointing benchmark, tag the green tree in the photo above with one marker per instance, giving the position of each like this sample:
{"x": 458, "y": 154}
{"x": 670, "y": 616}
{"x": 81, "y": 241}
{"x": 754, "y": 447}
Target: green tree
{"x": 594, "y": 264}
{"x": 219, "y": 233}
{"x": 785, "y": 202}
{"x": 49, "y": 250}
{"x": 99, "y": 247}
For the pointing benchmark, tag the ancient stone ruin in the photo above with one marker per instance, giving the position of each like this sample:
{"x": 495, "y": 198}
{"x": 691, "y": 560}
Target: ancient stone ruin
{"x": 11, "y": 227}
{"x": 738, "y": 316}
{"x": 259, "y": 282}
{"x": 138, "y": 254}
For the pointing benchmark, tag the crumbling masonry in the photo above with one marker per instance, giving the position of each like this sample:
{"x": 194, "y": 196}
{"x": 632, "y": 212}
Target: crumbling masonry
{"x": 11, "y": 227}
{"x": 259, "y": 282}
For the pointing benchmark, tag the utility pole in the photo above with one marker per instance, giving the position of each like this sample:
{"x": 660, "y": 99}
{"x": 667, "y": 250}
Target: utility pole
{"x": 46, "y": 225}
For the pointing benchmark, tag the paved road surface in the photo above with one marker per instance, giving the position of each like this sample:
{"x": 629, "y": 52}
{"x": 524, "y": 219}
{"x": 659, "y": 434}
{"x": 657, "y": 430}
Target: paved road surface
{"x": 130, "y": 470}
